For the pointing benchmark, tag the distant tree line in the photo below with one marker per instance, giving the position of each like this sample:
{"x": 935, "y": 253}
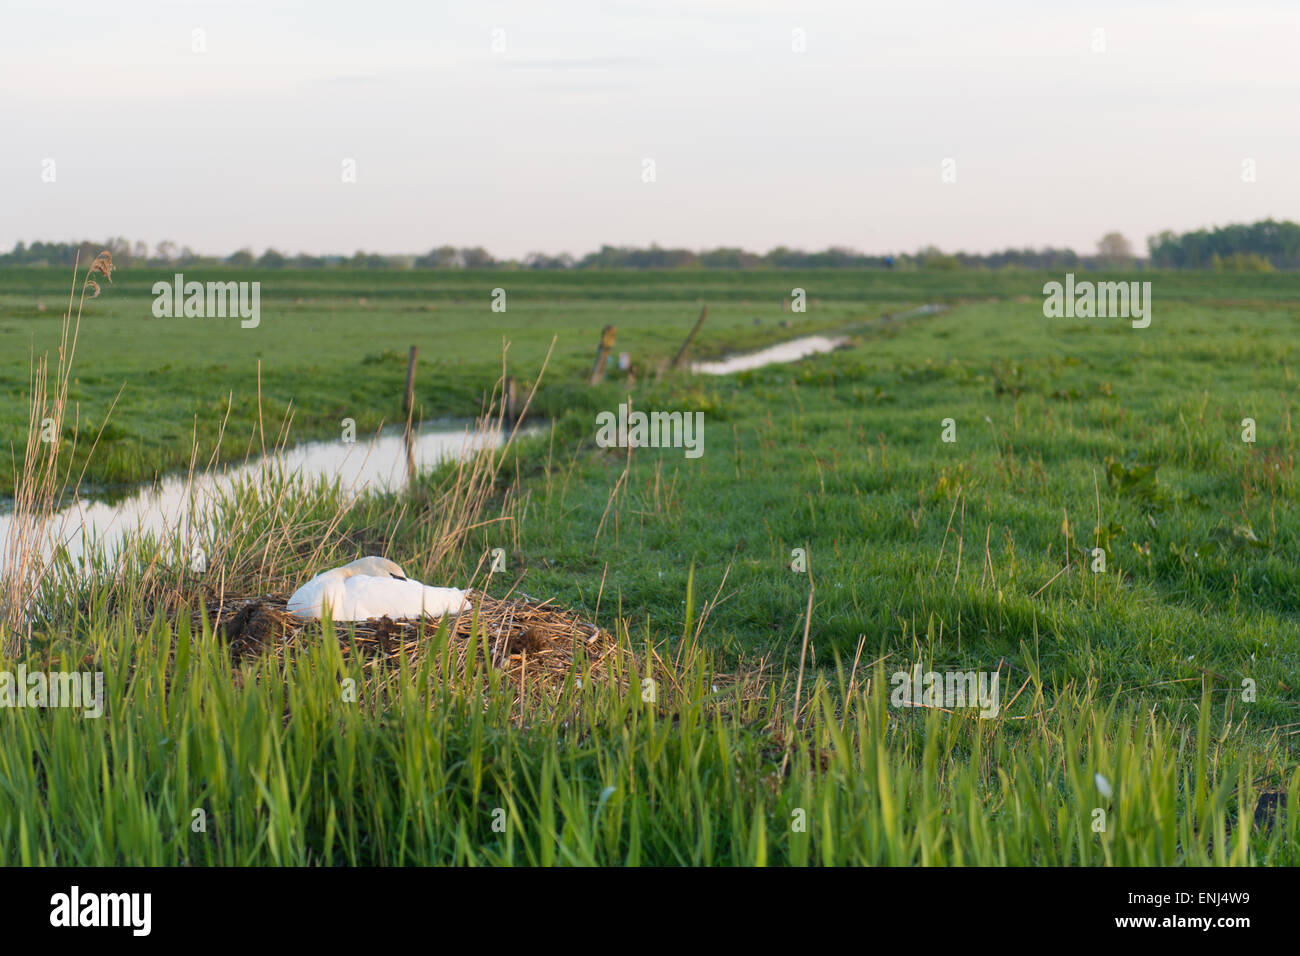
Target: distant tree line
{"x": 1259, "y": 246}
{"x": 166, "y": 254}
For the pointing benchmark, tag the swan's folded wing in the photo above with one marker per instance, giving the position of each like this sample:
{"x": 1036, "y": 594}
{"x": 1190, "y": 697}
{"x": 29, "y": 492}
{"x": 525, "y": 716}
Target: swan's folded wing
{"x": 440, "y": 601}
{"x": 369, "y": 597}
{"x": 306, "y": 601}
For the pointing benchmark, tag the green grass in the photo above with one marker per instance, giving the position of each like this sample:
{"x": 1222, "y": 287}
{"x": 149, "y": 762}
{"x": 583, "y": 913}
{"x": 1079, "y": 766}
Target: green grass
{"x": 1071, "y": 434}
{"x": 192, "y": 766}
{"x": 325, "y": 355}
{"x": 331, "y": 346}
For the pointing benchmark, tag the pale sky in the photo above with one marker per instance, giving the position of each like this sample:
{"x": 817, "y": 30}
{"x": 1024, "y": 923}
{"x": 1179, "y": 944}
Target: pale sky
{"x": 541, "y": 146}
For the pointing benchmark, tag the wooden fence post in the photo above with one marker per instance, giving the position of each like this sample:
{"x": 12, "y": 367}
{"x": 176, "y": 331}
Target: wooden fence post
{"x": 602, "y": 354}
{"x": 408, "y": 407}
{"x": 681, "y": 353}
{"x": 512, "y": 400}
{"x": 408, "y": 401}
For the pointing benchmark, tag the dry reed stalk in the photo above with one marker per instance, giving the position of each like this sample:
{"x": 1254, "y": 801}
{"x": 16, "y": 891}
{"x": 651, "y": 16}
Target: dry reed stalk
{"x": 262, "y": 533}
{"x": 39, "y": 487}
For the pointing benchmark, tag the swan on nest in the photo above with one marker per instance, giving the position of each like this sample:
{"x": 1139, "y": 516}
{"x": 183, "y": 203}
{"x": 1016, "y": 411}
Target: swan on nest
{"x": 372, "y": 587}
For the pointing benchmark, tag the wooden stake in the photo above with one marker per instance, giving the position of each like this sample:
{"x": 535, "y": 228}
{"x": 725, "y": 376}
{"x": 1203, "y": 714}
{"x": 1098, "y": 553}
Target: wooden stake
{"x": 681, "y": 353}
{"x": 408, "y": 406}
{"x": 602, "y": 354}
{"x": 512, "y": 400}
{"x": 408, "y": 402}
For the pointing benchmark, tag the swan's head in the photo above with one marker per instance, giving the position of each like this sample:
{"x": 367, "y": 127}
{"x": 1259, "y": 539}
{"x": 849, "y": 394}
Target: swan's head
{"x": 373, "y": 567}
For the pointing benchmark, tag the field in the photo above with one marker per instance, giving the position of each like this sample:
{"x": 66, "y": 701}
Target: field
{"x": 827, "y": 539}
{"x": 333, "y": 344}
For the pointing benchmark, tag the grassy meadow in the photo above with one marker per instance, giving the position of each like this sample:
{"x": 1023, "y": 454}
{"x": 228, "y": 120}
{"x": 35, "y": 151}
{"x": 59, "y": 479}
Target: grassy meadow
{"x": 1159, "y": 697}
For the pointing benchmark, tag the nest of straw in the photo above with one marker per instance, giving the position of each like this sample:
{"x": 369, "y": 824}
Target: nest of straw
{"x": 530, "y": 641}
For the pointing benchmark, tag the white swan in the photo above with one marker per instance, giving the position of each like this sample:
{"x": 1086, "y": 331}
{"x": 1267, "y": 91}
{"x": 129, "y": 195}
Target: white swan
{"x": 369, "y": 588}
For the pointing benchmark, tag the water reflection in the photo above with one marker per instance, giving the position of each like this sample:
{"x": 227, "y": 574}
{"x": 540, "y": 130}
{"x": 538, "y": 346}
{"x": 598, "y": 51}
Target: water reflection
{"x": 169, "y": 505}
{"x": 790, "y": 351}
